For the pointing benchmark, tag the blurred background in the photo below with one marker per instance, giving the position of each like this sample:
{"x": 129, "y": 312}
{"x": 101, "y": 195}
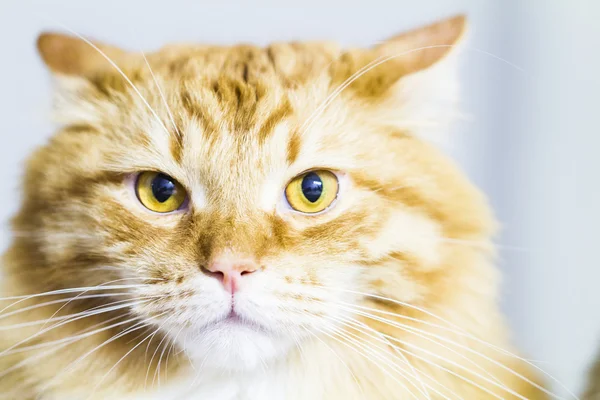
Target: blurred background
{"x": 532, "y": 141}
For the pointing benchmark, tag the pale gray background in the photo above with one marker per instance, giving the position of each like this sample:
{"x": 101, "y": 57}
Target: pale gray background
{"x": 531, "y": 144}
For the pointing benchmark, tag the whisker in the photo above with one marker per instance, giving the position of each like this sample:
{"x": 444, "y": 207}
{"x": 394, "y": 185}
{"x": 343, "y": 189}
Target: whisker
{"x": 66, "y": 304}
{"x": 83, "y": 334}
{"x": 157, "y": 372}
{"x": 425, "y": 360}
{"x": 386, "y": 361}
{"x": 373, "y": 64}
{"x": 49, "y": 303}
{"x": 68, "y": 342}
{"x": 407, "y": 327}
{"x": 299, "y": 346}
{"x": 186, "y": 353}
{"x": 401, "y": 303}
{"x": 155, "y": 351}
{"x": 424, "y": 387}
{"x": 404, "y": 360}
{"x": 358, "y": 385}
{"x": 365, "y": 356}
{"x": 41, "y": 332}
{"x": 162, "y": 95}
{"x": 370, "y": 350}
{"x": 63, "y": 291}
{"x": 121, "y": 359}
{"x": 383, "y": 338}
{"x": 421, "y": 333}
{"x": 70, "y": 367}
{"x": 120, "y": 71}
{"x": 450, "y": 362}
{"x": 68, "y": 317}
{"x": 458, "y": 331}
{"x": 170, "y": 350}
{"x": 464, "y": 333}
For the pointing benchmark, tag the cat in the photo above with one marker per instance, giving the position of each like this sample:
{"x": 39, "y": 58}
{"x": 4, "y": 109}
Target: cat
{"x": 242, "y": 222}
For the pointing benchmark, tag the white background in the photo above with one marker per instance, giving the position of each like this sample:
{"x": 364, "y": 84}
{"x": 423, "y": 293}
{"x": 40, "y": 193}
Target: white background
{"x": 532, "y": 143}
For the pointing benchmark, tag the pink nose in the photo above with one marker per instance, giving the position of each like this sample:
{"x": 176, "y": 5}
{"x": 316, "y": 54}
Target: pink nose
{"x": 229, "y": 270}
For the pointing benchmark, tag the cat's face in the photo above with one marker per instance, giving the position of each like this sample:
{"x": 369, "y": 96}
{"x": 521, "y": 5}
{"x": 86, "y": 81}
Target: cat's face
{"x": 249, "y": 212}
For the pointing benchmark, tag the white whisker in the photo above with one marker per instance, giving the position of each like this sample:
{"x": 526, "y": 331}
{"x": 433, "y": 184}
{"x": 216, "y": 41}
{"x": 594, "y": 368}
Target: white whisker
{"x": 450, "y": 362}
{"x": 49, "y": 303}
{"x": 354, "y": 378}
{"x": 68, "y": 341}
{"x": 121, "y": 359}
{"x": 461, "y": 332}
{"x": 382, "y": 338}
{"x": 70, "y": 367}
{"x": 162, "y": 353}
{"x": 162, "y": 95}
{"x": 41, "y": 332}
{"x": 63, "y": 291}
{"x": 373, "y": 64}
{"x": 66, "y": 304}
{"x": 120, "y": 71}
{"x": 44, "y": 321}
{"x": 161, "y": 326}
{"x": 407, "y": 328}
{"x": 422, "y": 333}
{"x": 395, "y": 369}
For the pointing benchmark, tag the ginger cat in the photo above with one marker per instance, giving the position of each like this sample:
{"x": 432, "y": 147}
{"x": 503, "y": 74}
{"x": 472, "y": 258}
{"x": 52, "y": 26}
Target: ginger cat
{"x": 254, "y": 223}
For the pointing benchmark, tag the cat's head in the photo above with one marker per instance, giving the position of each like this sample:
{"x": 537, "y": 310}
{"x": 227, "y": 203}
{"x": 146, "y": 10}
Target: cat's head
{"x": 250, "y": 195}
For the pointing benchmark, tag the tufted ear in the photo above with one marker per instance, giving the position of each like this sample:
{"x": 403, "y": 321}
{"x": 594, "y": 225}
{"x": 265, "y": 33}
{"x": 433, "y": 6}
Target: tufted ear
{"x": 72, "y": 56}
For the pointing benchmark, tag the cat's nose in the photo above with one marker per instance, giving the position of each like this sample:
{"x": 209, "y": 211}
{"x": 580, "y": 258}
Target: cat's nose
{"x": 230, "y": 270}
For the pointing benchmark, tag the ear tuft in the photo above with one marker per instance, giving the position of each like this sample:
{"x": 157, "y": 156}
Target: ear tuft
{"x": 68, "y": 55}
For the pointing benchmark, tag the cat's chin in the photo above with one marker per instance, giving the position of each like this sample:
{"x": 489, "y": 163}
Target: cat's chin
{"x": 233, "y": 346}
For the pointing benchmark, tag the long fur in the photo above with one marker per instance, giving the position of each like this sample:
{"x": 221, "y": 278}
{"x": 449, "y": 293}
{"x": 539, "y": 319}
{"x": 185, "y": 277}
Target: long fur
{"x": 390, "y": 294}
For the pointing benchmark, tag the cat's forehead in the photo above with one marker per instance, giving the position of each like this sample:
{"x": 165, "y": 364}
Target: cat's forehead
{"x": 241, "y": 108}
{"x": 288, "y": 63}
{"x": 231, "y": 132}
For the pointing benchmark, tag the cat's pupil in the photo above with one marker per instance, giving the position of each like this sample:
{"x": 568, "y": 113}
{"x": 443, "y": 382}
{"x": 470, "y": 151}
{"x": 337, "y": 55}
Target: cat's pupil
{"x": 312, "y": 187}
{"x": 163, "y": 188}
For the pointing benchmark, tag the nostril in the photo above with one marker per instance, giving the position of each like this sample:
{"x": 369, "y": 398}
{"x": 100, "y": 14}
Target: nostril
{"x": 246, "y": 272}
{"x": 215, "y": 274}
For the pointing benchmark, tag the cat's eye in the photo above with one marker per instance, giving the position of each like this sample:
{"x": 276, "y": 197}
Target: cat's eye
{"x": 312, "y": 192}
{"x": 159, "y": 192}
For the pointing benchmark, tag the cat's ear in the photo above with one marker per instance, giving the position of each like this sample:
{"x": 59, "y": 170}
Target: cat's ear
{"x": 422, "y": 48}
{"x": 71, "y": 56}
{"x": 79, "y": 69}
{"x": 422, "y": 75}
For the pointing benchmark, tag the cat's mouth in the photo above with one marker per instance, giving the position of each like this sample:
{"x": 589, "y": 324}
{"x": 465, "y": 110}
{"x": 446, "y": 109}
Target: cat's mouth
{"x": 236, "y": 320}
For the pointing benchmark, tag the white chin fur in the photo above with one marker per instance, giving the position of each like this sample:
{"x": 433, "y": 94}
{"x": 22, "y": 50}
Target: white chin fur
{"x": 232, "y": 347}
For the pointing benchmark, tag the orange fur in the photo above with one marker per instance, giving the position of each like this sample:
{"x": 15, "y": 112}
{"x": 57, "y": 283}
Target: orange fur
{"x": 407, "y": 228}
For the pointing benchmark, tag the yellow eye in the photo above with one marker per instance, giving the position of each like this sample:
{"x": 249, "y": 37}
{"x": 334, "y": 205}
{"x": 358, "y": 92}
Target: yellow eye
{"x": 312, "y": 192}
{"x": 159, "y": 192}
